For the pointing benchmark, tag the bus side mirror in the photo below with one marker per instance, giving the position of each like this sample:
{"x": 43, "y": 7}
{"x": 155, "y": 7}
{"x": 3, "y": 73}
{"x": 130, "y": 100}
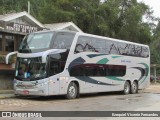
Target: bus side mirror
{"x": 8, "y": 55}
{"x": 53, "y": 51}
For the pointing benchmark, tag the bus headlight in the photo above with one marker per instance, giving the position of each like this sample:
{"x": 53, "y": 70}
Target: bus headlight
{"x": 63, "y": 78}
{"x": 45, "y": 83}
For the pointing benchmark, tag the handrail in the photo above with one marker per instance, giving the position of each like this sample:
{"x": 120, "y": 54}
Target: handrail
{"x": 9, "y": 54}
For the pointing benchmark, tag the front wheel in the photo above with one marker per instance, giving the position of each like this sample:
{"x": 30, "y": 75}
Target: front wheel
{"x": 134, "y": 88}
{"x": 72, "y": 91}
{"x": 126, "y": 88}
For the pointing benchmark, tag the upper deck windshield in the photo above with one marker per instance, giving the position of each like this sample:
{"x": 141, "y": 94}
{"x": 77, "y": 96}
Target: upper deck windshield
{"x": 36, "y": 41}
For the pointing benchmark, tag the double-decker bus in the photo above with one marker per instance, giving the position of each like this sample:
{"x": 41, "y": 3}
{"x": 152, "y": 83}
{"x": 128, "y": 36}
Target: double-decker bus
{"x": 72, "y": 63}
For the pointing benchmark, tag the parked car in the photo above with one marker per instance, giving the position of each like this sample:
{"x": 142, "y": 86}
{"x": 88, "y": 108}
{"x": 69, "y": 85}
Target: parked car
{"x": 152, "y": 78}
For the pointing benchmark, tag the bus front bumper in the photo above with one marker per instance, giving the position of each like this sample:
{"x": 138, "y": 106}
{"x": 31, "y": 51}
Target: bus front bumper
{"x": 30, "y": 92}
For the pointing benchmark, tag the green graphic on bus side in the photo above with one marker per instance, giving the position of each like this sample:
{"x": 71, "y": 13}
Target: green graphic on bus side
{"x": 116, "y": 56}
{"x": 103, "y": 61}
{"x": 147, "y": 71}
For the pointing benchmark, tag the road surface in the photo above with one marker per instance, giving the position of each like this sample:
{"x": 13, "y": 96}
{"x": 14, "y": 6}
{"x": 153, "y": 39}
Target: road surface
{"x": 148, "y": 100}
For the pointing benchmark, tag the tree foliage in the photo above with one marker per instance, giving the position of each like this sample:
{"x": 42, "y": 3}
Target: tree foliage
{"x": 155, "y": 46}
{"x": 122, "y": 19}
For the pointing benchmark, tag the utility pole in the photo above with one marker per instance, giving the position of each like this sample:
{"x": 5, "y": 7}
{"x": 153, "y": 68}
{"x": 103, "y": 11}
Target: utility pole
{"x": 28, "y": 7}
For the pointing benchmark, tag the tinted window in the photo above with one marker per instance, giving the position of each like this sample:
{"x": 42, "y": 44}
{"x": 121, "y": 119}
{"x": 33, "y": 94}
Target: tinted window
{"x": 99, "y": 45}
{"x": 120, "y": 48}
{"x": 98, "y": 70}
{"x": 84, "y": 44}
{"x": 92, "y": 44}
{"x": 132, "y": 50}
{"x": 63, "y": 41}
{"x": 56, "y": 66}
{"x": 115, "y": 70}
{"x": 37, "y": 41}
{"x": 57, "y": 62}
{"x": 112, "y": 48}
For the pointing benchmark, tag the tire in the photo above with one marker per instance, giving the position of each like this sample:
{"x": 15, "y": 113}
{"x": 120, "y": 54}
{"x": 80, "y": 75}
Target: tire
{"x": 72, "y": 91}
{"x": 134, "y": 88}
{"x": 127, "y": 88}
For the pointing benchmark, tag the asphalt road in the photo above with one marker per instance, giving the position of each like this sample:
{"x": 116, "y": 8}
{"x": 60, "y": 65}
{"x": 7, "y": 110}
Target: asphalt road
{"x": 93, "y": 102}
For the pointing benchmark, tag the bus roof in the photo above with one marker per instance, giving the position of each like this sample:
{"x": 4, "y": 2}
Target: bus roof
{"x": 55, "y": 31}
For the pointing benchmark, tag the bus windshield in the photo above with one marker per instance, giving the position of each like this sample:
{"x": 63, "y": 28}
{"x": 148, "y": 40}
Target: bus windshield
{"x": 30, "y": 69}
{"x": 37, "y": 41}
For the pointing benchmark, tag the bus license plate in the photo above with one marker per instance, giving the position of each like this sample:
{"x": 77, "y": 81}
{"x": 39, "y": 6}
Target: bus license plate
{"x": 26, "y": 92}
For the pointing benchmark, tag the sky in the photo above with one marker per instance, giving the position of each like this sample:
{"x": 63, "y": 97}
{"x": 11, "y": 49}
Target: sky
{"x": 154, "y": 4}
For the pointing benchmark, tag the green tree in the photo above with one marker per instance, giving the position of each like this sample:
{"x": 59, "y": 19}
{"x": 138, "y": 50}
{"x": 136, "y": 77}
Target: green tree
{"x": 127, "y": 22}
{"x": 120, "y": 19}
{"x": 155, "y": 46}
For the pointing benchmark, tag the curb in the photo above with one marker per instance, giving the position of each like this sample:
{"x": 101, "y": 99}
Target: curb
{"x": 8, "y": 96}
{"x": 6, "y": 91}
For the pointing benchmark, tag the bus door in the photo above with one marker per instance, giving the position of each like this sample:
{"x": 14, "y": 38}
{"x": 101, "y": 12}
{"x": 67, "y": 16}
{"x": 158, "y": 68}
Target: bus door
{"x": 53, "y": 71}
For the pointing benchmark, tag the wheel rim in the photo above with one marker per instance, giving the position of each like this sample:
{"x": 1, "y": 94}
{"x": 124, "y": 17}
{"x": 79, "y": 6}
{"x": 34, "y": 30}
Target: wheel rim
{"x": 126, "y": 88}
{"x": 134, "y": 87}
{"x": 72, "y": 91}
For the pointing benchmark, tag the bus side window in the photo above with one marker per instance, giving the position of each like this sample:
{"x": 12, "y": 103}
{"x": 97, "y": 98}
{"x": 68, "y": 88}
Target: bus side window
{"x": 76, "y": 71}
{"x": 84, "y": 44}
{"x": 63, "y": 41}
{"x": 99, "y": 45}
{"x": 116, "y": 70}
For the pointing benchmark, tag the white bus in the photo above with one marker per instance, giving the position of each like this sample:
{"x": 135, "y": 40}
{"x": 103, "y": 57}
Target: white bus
{"x": 73, "y": 63}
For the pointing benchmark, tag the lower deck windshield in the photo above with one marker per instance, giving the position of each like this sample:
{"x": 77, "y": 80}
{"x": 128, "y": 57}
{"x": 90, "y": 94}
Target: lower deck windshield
{"x": 30, "y": 69}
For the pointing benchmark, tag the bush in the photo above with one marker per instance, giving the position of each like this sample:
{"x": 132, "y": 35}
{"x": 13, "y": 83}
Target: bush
{"x": 3, "y": 59}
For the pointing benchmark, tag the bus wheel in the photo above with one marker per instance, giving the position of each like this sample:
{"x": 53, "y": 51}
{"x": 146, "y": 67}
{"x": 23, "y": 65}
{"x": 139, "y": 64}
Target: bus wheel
{"x": 126, "y": 88}
{"x": 72, "y": 91}
{"x": 134, "y": 88}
